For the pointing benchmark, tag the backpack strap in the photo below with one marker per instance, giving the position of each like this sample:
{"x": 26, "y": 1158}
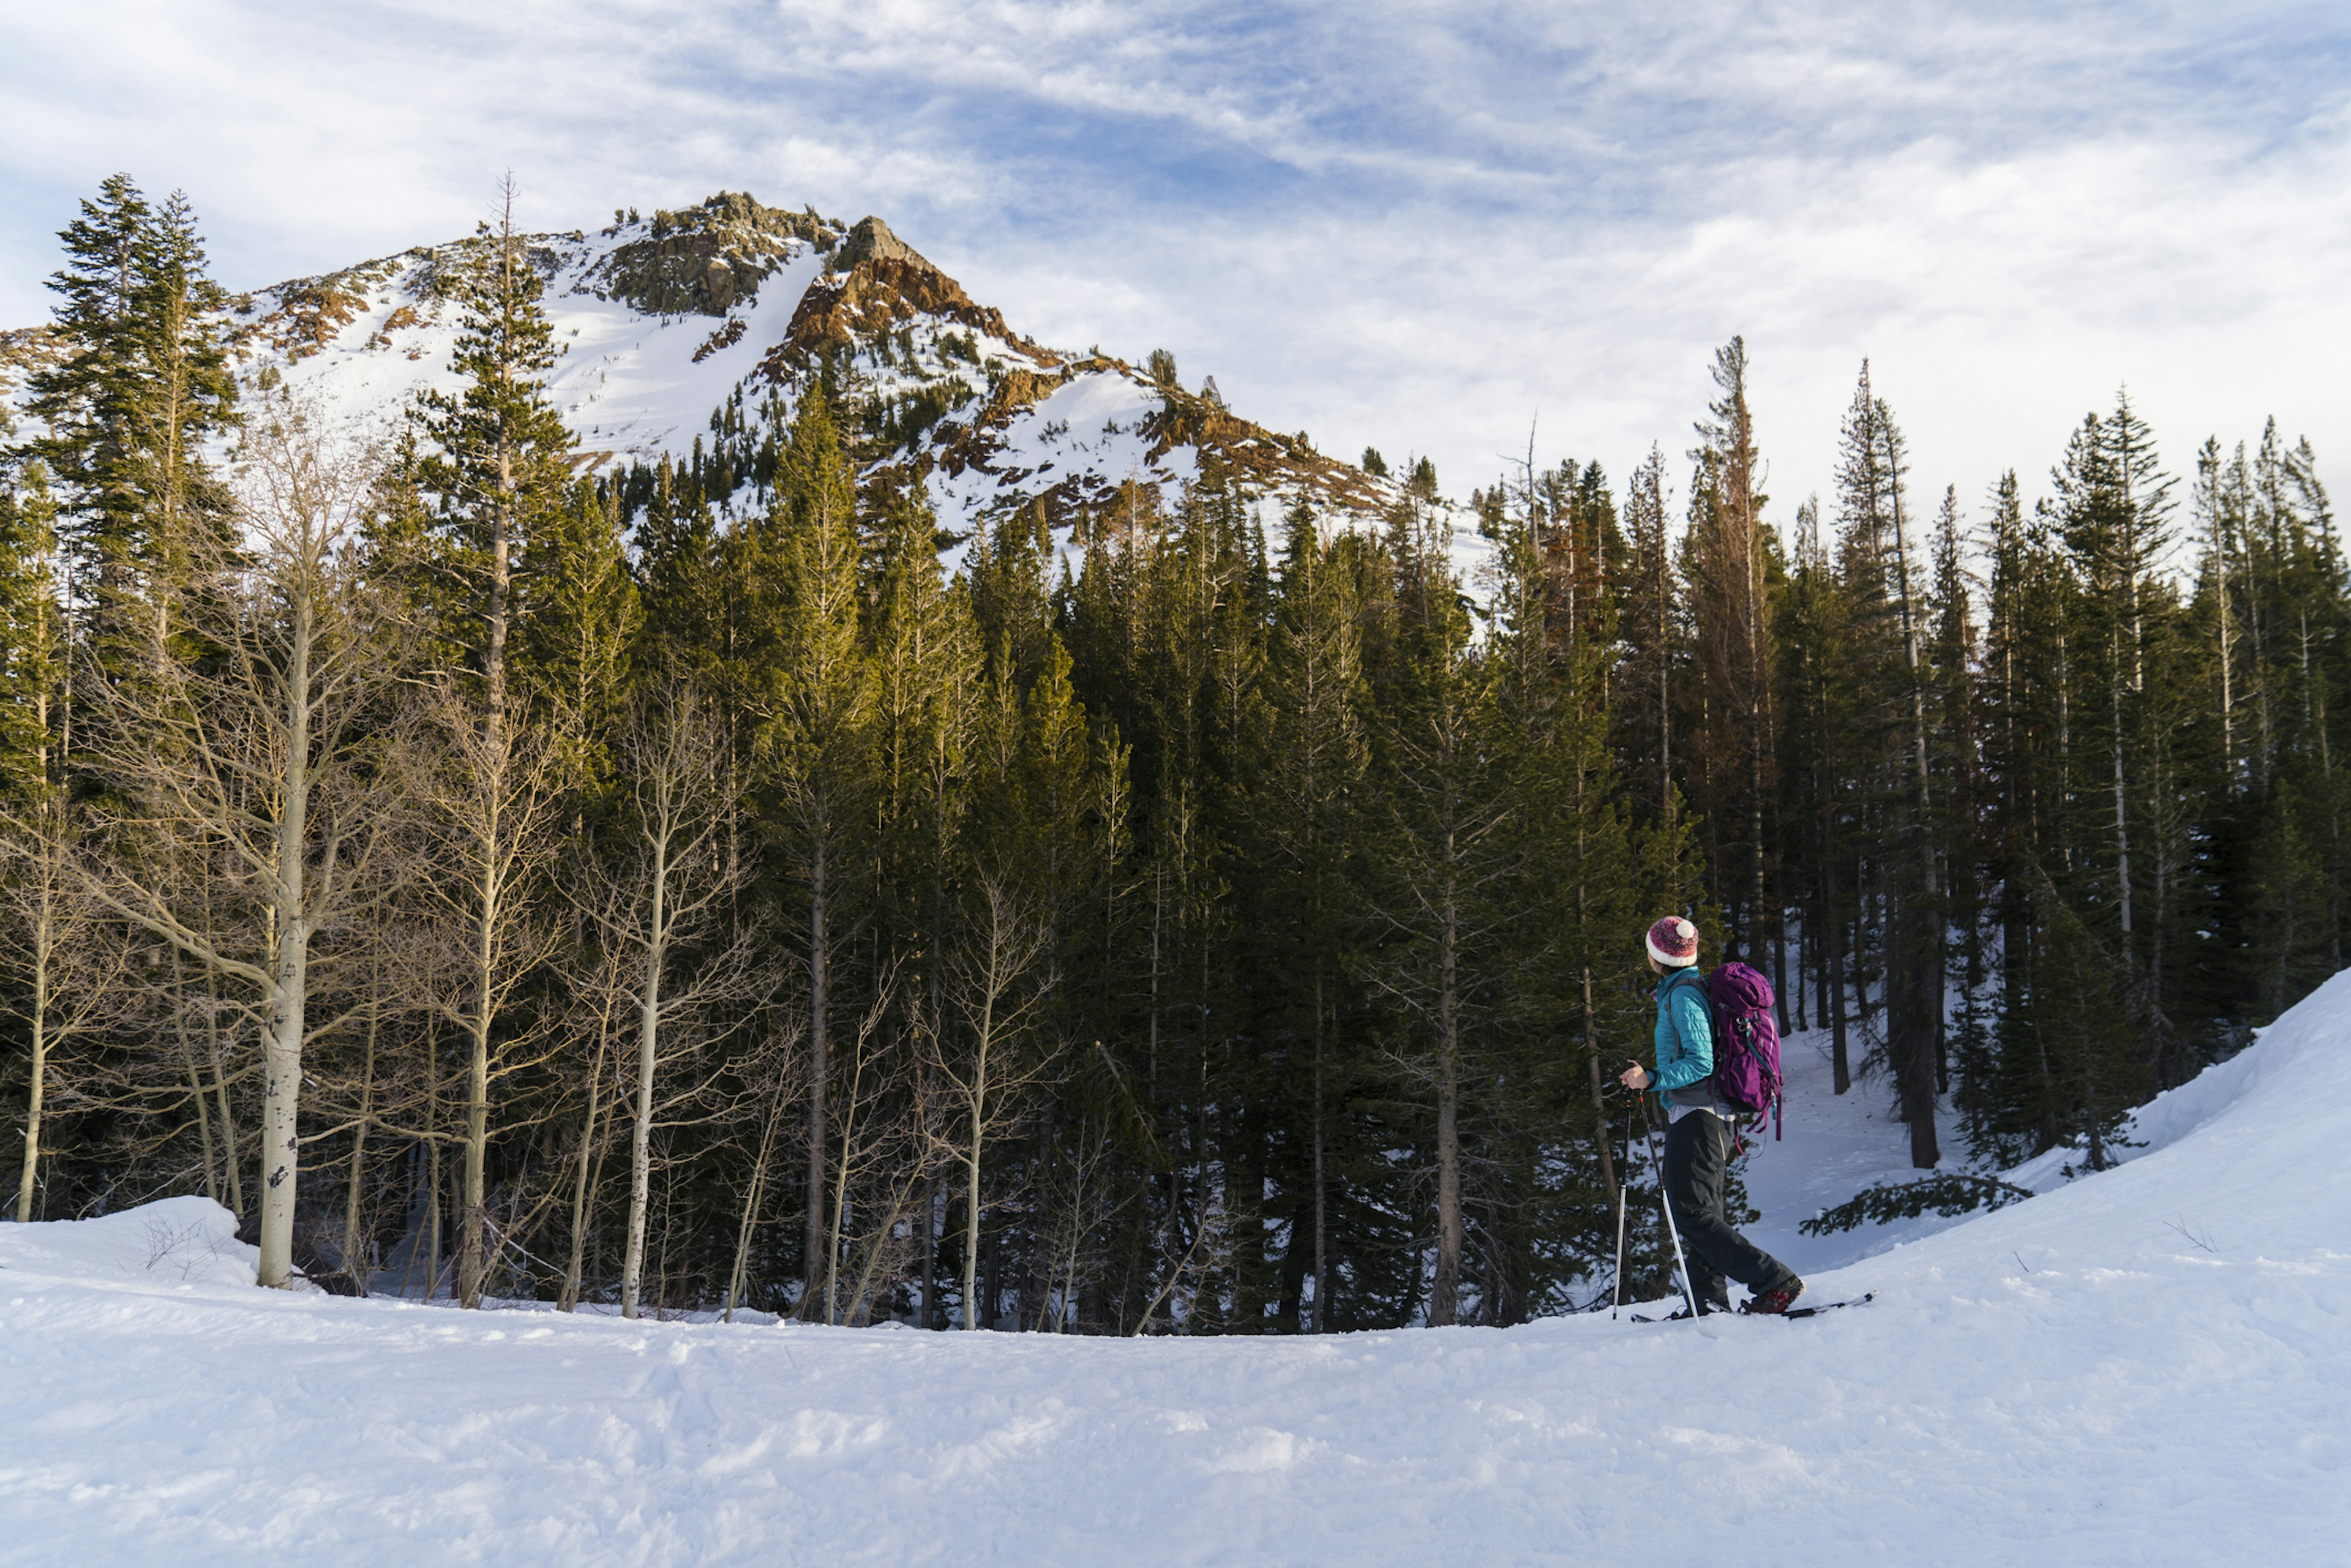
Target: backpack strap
{"x": 1666, "y": 1000}
{"x": 1688, "y": 971}
{"x": 1715, "y": 1042}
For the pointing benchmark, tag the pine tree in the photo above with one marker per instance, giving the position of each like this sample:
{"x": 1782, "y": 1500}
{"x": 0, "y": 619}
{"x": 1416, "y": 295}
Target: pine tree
{"x": 90, "y": 398}
{"x": 1888, "y": 614}
{"x": 1955, "y": 749}
{"x": 1440, "y": 848}
{"x": 815, "y": 748}
{"x": 143, "y": 384}
{"x": 576, "y": 649}
{"x": 33, "y": 648}
{"x": 2112, "y": 503}
{"x": 1316, "y": 757}
{"x": 1644, "y": 693}
{"x": 1729, "y": 570}
{"x": 1568, "y": 892}
{"x": 1822, "y": 708}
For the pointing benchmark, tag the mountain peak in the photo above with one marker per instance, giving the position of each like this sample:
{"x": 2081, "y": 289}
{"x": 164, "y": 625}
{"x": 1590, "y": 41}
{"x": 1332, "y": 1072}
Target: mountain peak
{"x": 706, "y": 260}
{"x": 690, "y": 331}
{"x": 872, "y": 240}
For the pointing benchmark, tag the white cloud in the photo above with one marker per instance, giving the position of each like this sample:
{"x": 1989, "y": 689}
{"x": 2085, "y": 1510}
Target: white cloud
{"x": 1420, "y": 226}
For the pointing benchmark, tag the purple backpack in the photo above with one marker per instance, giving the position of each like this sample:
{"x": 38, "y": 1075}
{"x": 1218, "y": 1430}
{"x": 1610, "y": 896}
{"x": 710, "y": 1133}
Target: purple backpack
{"x": 1746, "y": 1039}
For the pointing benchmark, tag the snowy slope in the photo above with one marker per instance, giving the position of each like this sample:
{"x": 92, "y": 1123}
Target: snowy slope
{"x": 1830, "y": 1147}
{"x": 2149, "y": 1365}
{"x": 661, "y": 323}
{"x": 626, "y": 382}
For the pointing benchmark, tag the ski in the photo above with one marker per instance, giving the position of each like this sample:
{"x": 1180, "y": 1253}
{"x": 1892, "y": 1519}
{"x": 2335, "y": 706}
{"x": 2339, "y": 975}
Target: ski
{"x": 1812, "y": 1312}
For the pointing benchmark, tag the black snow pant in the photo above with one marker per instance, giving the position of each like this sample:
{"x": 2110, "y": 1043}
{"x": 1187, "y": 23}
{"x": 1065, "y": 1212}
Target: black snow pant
{"x": 1698, "y": 1156}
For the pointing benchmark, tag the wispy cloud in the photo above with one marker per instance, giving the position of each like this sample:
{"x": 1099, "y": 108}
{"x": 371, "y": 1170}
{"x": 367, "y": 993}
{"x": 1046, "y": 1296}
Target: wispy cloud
{"x": 1419, "y": 225}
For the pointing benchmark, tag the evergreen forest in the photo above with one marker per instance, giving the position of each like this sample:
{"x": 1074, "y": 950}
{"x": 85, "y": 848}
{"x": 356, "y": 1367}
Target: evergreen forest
{"x": 716, "y": 885}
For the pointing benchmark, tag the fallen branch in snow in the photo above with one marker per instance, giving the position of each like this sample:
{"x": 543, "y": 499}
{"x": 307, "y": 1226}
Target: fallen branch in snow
{"x": 2197, "y": 1236}
{"x": 1948, "y": 1195}
{"x": 177, "y": 1244}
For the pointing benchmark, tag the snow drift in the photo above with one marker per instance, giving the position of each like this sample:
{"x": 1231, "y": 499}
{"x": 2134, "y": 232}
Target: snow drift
{"x": 2149, "y": 1365}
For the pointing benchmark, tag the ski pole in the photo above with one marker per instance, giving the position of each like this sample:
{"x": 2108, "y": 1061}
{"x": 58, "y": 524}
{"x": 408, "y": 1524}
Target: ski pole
{"x": 1689, "y": 1295}
{"x": 1616, "y": 1297}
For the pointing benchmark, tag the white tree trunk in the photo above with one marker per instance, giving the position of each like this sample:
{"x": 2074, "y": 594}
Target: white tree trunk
{"x": 632, "y": 1268}
{"x": 37, "y": 1065}
{"x": 971, "y": 1313}
{"x": 282, "y": 1054}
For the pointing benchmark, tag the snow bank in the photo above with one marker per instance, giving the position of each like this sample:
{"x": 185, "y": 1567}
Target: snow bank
{"x": 2149, "y": 1365}
{"x": 178, "y": 1241}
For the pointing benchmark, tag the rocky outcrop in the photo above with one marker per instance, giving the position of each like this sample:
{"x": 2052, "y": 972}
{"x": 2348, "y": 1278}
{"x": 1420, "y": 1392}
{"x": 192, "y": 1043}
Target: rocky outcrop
{"x": 706, "y": 260}
{"x": 877, "y": 294}
{"x": 872, "y": 240}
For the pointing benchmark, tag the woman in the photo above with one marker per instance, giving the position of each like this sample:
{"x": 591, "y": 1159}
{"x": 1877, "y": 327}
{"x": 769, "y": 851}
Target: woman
{"x": 1698, "y": 1135}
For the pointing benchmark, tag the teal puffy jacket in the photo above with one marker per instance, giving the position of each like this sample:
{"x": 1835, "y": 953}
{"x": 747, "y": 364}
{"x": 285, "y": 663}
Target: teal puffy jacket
{"x": 1685, "y": 1036}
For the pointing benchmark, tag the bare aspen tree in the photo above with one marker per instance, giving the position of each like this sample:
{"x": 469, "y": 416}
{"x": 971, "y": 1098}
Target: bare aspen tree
{"x": 1085, "y": 1197}
{"x": 883, "y": 1128}
{"x": 67, "y": 967}
{"x": 986, "y": 1075}
{"x": 488, "y": 799}
{"x": 363, "y": 1119}
{"x": 265, "y": 751}
{"x": 39, "y": 899}
{"x": 669, "y": 893}
{"x": 774, "y": 1068}
{"x": 602, "y": 1021}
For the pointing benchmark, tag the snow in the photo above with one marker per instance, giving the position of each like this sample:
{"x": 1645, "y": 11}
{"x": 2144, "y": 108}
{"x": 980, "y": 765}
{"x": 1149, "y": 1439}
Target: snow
{"x": 180, "y": 1241}
{"x": 1830, "y": 1147}
{"x": 625, "y": 382}
{"x": 630, "y": 389}
{"x": 1090, "y": 424}
{"x": 2151, "y": 1365}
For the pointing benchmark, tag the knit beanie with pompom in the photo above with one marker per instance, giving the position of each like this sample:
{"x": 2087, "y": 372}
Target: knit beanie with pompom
{"x": 1673, "y": 942}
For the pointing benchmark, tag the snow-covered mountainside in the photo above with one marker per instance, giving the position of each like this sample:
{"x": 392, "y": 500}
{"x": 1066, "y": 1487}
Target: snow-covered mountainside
{"x": 660, "y": 321}
{"x": 2151, "y": 1365}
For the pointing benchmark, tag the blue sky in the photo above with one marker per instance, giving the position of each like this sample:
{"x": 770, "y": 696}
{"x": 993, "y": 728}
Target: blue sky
{"x": 1422, "y": 226}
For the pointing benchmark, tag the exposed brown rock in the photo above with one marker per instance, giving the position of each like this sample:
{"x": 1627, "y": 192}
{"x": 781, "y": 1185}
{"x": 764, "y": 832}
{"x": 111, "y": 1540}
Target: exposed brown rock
{"x": 706, "y": 260}
{"x": 872, "y": 240}
{"x": 309, "y": 315}
{"x": 875, "y": 296}
{"x": 727, "y": 337}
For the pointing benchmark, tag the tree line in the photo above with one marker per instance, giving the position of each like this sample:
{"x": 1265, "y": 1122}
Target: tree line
{"x": 676, "y": 888}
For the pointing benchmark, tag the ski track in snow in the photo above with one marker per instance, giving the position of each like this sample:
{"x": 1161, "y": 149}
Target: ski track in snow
{"x": 2076, "y": 1379}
